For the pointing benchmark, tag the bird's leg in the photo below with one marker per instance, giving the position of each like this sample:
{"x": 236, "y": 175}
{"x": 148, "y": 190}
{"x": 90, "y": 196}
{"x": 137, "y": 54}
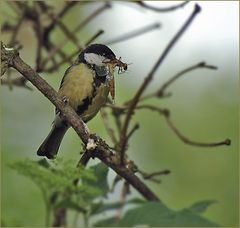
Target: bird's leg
{"x": 65, "y": 100}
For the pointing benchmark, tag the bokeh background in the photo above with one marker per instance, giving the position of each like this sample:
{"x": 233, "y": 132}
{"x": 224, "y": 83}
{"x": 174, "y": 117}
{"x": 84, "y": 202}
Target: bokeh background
{"x": 204, "y": 107}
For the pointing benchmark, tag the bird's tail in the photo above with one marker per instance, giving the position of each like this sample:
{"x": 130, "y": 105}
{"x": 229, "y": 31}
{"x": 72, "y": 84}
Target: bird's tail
{"x": 51, "y": 144}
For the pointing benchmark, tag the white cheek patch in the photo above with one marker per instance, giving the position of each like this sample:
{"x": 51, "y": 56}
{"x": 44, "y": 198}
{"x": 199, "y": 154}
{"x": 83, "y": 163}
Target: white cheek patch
{"x": 95, "y": 59}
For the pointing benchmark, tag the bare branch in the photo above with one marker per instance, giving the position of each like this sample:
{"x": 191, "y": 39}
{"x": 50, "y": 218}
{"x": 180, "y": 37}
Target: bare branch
{"x": 100, "y": 10}
{"x": 158, "y": 173}
{"x": 20, "y": 82}
{"x": 63, "y": 43}
{"x": 161, "y": 91}
{"x": 135, "y": 127}
{"x": 65, "y": 30}
{"x": 147, "y": 80}
{"x": 183, "y": 138}
{"x": 102, "y": 150}
{"x": 94, "y": 37}
{"x": 154, "y": 176}
{"x": 16, "y": 29}
{"x": 186, "y": 140}
{"x": 163, "y": 9}
{"x": 115, "y": 181}
{"x": 133, "y": 34}
{"x": 64, "y": 10}
{"x": 109, "y": 130}
{"x": 67, "y": 58}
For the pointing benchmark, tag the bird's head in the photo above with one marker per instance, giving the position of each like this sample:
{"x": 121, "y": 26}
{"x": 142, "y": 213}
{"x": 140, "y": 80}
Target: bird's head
{"x": 102, "y": 58}
{"x": 103, "y": 62}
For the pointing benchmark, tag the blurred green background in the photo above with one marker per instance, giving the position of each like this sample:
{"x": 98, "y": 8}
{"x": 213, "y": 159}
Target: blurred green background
{"x": 204, "y": 107}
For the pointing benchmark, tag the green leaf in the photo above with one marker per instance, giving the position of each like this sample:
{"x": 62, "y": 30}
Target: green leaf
{"x": 157, "y": 214}
{"x": 201, "y": 206}
{"x": 186, "y": 217}
{"x": 100, "y": 171}
{"x": 150, "y": 213}
{"x": 71, "y": 205}
{"x": 57, "y": 176}
{"x": 109, "y": 222}
{"x": 103, "y": 207}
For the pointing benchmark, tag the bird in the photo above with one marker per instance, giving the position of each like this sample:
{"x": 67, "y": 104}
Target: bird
{"x": 85, "y": 86}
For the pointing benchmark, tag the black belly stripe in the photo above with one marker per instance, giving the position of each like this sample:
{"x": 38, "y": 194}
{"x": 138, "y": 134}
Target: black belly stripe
{"x": 84, "y": 106}
{"x": 97, "y": 81}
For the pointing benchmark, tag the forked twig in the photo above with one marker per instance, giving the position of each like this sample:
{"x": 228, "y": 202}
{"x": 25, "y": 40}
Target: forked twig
{"x": 183, "y": 138}
{"x": 149, "y": 78}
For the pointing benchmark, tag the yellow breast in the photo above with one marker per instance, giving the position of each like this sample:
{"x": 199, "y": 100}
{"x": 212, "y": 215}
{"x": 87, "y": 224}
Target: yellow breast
{"x": 84, "y": 95}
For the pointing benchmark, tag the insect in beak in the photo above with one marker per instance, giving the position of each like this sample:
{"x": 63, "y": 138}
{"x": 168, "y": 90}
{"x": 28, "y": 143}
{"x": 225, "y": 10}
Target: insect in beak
{"x": 122, "y": 67}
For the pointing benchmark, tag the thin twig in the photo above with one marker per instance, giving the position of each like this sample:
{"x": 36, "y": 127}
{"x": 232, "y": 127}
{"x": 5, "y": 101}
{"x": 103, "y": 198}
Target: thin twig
{"x": 133, "y": 34}
{"x": 154, "y": 174}
{"x": 66, "y": 58}
{"x": 182, "y": 137}
{"x": 39, "y": 34}
{"x": 100, "y": 10}
{"x": 19, "y": 82}
{"x": 64, "y": 10}
{"x": 109, "y": 130}
{"x": 16, "y": 29}
{"x": 135, "y": 127}
{"x": 188, "y": 141}
{"x": 94, "y": 37}
{"x": 161, "y": 91}
{"x": 147, "y": 80}
{"x": 65, "y": 30}
{"x": 163, "y": 9}
{"x": 80, "y": 26}
{"x": 69, "y": 57}
{"x": 124, "y": 192}
{"x": 115, "y": 181}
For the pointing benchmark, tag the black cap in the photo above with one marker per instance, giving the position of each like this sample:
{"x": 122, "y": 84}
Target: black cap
{"x": 99, "y": 49}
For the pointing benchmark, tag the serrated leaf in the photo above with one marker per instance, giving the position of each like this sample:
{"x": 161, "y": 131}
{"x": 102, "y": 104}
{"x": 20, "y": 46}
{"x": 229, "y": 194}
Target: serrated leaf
{"x": 201, "y": 206}
{"x": 157, "y": 214}
{"x": 52, "y": 177}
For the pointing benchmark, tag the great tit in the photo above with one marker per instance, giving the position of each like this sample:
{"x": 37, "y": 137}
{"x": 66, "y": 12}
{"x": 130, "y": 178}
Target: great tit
{"x": 85, "y": 87}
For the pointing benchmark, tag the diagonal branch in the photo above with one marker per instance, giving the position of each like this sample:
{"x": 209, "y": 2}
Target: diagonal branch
{"x": 133, "y": 34}
{"x": 102, "y": 150}
{"x": 69, "y": 57}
